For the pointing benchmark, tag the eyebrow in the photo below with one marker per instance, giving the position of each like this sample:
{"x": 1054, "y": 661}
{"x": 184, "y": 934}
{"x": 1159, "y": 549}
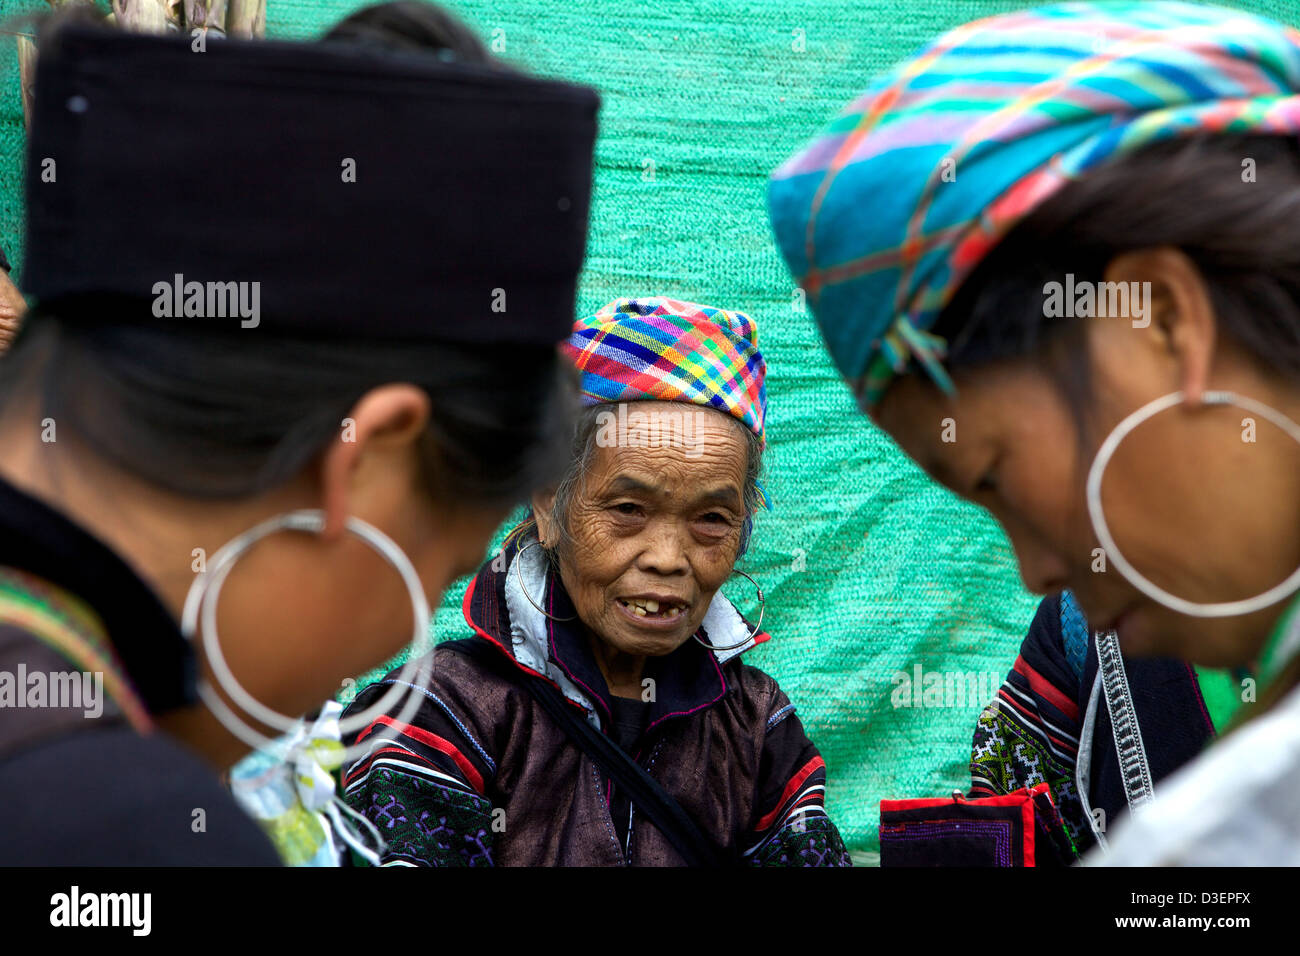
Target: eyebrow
{"x": 725, "y": 495}
{"x": 623, "y": 484}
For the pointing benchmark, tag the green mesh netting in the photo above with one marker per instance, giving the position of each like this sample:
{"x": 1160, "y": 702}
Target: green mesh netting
{"x": 869, "y": 570}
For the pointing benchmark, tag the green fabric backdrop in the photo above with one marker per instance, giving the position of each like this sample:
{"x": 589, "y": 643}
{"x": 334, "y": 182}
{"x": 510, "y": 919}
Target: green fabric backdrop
{"x": 869, "y": 570}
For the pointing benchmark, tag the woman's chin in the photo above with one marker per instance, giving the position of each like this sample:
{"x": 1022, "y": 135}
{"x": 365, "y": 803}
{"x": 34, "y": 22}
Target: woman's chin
{"x": 1140, "y": 636}
{"x": 1214, "y": 643}
{"x": 646, "y": 635}
{"x": 657, "y": 644}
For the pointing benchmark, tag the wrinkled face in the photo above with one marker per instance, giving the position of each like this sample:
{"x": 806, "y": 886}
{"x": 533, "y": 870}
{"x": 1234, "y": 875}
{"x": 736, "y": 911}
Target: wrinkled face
{"x": 1196, "y": 506}
{"x": 655, "y": 532}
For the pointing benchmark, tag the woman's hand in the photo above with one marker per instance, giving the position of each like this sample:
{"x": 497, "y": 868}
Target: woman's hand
{"x": 12, "y": 308}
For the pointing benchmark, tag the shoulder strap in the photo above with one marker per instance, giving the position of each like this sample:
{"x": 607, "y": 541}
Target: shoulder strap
{"x": 46, "y": 630}
{"x": 645, "y": 792}
{"x": 22, "y": 730}
{"x": 59, "y": 621}
{"x": 1134, "y": 770}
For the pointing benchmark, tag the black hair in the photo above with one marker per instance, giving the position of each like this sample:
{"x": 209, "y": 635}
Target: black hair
{"x": 1230, "y": 203}
{"x": 212, "y": 413}
{"x": 412, "y": 25}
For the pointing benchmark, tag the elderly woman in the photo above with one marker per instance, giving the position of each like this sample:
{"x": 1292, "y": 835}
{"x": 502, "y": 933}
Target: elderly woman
{"x": 1089, "y": 276}
{"x": 602, "y": 715}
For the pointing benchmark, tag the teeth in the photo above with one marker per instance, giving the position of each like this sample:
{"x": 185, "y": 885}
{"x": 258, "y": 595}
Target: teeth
{"x": 643, "y": 607}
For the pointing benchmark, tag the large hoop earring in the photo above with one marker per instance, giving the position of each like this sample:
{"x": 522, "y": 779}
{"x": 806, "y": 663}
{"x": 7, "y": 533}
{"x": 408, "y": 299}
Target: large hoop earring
{"x": 762, "y": 606}
{"x": 519, "y": 575}
{"x": 1131, "y": 574}
{"x": 201, "y": 604}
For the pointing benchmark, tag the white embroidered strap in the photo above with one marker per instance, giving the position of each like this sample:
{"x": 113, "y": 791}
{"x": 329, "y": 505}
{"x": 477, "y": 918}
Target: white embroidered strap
{"x": 1133, "y": 766}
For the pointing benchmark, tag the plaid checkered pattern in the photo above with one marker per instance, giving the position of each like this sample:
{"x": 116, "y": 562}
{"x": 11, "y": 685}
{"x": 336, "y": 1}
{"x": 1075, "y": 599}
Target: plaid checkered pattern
{"x": 662, "y": 349}
{"x": 883, "y": 215}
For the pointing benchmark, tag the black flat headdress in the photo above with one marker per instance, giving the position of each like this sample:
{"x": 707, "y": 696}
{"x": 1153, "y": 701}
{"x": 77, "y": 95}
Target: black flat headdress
{"x": 466, "y": 221}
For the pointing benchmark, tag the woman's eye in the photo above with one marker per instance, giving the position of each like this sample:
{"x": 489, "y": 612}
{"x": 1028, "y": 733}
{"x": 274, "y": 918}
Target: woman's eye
{"x": 713, "y": 524}
{"x": 627, "y": 508}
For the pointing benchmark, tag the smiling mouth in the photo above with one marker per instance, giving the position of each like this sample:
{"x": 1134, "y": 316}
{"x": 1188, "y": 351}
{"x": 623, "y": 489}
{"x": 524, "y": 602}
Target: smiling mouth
{"x": 653, "y": 610}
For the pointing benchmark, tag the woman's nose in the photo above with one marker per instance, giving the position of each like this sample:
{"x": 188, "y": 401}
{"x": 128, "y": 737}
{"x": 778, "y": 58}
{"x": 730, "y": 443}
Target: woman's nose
{"x": 1043, "y": 570}
{"x": 664, "y": 551}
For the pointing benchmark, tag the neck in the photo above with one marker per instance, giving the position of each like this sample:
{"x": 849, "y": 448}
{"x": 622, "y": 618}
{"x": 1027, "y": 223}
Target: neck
{"x": 152, "y": 531}
{"x": 622, "y": 671}
{"x": 200, "y": 731}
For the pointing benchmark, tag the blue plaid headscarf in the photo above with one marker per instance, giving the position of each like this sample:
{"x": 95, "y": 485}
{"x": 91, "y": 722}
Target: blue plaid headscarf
{"x": 885, "y": 212}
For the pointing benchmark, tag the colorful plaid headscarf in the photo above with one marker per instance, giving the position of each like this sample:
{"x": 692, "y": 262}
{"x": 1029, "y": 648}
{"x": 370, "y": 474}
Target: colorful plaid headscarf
{"x": 884, "y": 214}
{"x": 662, "y": 349}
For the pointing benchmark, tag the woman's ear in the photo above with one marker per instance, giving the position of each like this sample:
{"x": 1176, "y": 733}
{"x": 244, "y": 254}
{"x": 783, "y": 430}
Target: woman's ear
{"x": 543, "y": 503}
{"x": 385, "y": 423}
{"x": 1173, "y": 305}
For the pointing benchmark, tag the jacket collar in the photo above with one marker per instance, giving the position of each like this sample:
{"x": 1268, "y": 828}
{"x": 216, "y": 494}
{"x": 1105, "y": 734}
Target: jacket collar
{"x": 157, "y": 659}
{"x": 686, "y": 681}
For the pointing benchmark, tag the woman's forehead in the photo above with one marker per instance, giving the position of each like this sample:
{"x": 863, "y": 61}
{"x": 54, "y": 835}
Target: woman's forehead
{"x": 713, "y": 470}
{"x": 1000, "y": 406}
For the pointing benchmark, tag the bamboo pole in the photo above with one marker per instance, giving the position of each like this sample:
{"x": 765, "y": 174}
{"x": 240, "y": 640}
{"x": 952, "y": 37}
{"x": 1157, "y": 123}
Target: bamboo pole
{"x": 148, "y": 16}
{"x": 237, "y": 18}
{"x": 27, "y": 75}
{"x": 206, "y": 15}
{"x": 246, "y": 18}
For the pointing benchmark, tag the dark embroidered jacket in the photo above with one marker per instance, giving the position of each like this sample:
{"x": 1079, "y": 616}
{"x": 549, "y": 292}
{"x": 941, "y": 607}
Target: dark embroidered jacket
{"x": 1032, "y": 731}
{"x": 483, "y": 776}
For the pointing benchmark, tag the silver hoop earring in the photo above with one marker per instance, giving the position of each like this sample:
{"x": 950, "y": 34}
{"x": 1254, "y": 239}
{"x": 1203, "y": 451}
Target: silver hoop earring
{"x": 1130, "y": 573}
{"x": 762, "y": 606}
{"x": 201, "y": 604}
{"x": 519, "y": 574}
